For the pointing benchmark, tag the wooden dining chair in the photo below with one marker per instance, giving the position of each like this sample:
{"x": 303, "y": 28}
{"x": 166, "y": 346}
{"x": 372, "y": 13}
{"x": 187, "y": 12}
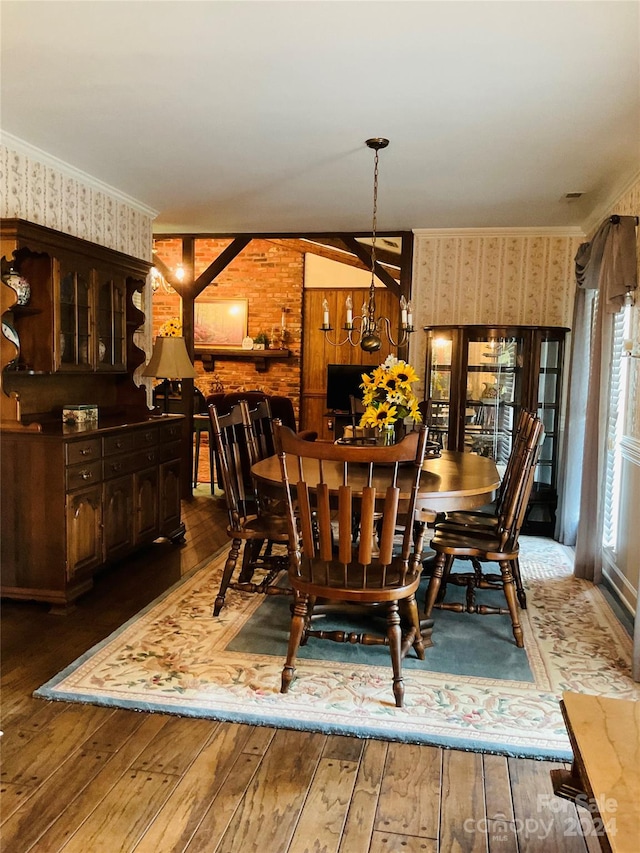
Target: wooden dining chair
{"x": 500, "y": 547}
{"x": 249, "y": 522}
{"x": 325, "y": 562}
{"x": 483, "y": 523}
{"x": 488, "y": 521}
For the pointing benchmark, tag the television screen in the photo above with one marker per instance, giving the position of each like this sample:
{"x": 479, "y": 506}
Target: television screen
{"x": 342, "y": 381}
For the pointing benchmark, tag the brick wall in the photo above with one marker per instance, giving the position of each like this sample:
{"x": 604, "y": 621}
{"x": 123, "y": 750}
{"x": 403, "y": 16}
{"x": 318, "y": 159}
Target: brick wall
{"x": 269, "y": 273}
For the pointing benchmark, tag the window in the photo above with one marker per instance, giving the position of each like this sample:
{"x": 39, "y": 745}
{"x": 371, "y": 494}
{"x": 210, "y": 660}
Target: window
{"x": 619, "y": 376}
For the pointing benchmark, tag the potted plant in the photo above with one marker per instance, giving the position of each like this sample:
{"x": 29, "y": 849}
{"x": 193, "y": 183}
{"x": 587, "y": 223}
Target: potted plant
{"x": 261, "y": 341}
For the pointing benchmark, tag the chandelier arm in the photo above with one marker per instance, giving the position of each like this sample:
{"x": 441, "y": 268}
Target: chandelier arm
{"x": 383, "y": 323}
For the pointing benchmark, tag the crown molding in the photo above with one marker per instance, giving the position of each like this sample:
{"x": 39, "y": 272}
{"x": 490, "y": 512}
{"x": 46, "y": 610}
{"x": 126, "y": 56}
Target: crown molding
{"x": 548, "y": 231}
{"x": 14, "y": 143}
{"x": 606, "y": 208}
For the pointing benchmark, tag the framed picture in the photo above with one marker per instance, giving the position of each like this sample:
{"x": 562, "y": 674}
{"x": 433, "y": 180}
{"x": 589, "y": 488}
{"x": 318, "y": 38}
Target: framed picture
{"x": 220, "y": 322}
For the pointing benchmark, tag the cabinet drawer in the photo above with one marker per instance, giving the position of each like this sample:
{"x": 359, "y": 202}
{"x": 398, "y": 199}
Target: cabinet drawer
{"x": 120, "y": 443}
{"x": 118, "y": 466}
{"x": 145, "y": 437}
{"x": 83, "y": 451}
{"x": 171, "y": 432}
{"x": 144, "y": 459}
{"x": 170, "y": 451}
{"x": 84, "y": 475}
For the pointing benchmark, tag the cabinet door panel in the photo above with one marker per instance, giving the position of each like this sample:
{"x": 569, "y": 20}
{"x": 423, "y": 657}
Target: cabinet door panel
{"x": 110, "y": 321}
{"x": 169, "y": 496}
{"x": 84, "y": 526}
{"x": 118, "y": 517}
{"x": 146, "y": 505}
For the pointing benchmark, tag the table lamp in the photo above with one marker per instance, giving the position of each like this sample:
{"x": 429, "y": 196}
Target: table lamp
{"x": 169, "y": 361}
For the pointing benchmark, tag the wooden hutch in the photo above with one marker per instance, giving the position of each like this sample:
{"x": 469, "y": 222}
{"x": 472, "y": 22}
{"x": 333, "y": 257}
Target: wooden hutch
{"x": 76, "y": 497}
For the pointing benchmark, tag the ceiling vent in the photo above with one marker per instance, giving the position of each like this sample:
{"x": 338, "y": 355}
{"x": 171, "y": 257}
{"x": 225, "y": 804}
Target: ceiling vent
{"x": 572, "y": 196}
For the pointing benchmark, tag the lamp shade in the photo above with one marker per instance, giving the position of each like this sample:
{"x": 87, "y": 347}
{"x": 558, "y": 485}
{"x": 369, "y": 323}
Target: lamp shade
{"x": 170, "y": 360}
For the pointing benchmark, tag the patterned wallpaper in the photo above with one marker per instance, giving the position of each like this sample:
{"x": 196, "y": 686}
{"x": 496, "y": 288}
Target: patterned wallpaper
{"x": 516, "y": 276}
{"x": 41, "y": 189}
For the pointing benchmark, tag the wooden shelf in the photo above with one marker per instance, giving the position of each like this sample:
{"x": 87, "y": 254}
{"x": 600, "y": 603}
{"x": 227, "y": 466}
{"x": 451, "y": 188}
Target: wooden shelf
{"x": 261, "y": 357}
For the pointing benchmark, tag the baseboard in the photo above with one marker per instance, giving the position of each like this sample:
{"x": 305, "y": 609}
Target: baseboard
{"x": 619, "y": 606}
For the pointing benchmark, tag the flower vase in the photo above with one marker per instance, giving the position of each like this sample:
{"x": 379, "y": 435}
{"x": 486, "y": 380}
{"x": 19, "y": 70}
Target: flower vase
{"x": 387, "y": 435}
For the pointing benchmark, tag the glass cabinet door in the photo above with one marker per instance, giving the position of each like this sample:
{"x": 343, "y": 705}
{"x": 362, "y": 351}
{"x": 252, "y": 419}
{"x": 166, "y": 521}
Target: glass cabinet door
{"x": 439, "y": 385}
{"x": 74, "y": 327}
{"x": 111, "y": 324}
{"x": 548, "y": 409}
{"x": 493, "y": 393}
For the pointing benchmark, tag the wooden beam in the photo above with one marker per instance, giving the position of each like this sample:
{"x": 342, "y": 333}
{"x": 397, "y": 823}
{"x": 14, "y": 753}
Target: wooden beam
{"x": 221, "y": 262}
{"x": 362, "y": 252}
{"x": 333, "y": 253}
{"x": 179, "y": 286}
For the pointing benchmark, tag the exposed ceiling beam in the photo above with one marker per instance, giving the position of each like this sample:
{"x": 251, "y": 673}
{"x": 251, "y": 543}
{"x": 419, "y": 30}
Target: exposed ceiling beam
{"x": 364, "y": 254}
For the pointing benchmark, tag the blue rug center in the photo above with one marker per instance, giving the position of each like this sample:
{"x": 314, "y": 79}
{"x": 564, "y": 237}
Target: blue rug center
{"x": 464, "y": 644}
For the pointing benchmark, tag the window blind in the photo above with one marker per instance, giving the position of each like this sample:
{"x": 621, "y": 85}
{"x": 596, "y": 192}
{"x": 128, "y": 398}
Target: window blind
{"x": 615, "y": 423}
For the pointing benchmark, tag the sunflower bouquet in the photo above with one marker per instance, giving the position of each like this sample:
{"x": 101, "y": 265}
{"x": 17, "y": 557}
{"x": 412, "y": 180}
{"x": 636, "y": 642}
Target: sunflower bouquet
{"x": 387, "y": 394}
{"x": 171, "y": 328}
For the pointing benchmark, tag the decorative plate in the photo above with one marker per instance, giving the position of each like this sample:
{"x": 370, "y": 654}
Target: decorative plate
{"x": 247, "y": 343}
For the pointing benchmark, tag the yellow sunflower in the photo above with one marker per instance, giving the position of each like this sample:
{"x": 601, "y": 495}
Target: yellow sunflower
{"x": 403, "y": 373}
{"x": 385, "y": 414}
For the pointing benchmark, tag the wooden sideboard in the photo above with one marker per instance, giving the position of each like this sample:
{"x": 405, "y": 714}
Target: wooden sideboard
{"x": 77, "y": 498}
{"x": 74, "y": 500}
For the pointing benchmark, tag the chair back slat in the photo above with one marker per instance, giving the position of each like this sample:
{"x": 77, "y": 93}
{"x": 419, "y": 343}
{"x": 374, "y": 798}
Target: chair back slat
{"x": 519, "y": 489}
{"x": 258, "y": 426}
{"x": 306, "y": 524}
{"x": 325, "y": 533}
{"x": 367, "y": 525}
{"x": 233, "y": 459}
{"x": 517, "y": 448}
{"x": 389, "y": 523}
{"x": 345, "y": 516}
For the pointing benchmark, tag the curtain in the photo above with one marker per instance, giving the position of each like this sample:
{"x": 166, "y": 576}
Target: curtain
{"x": 606, "y": 269}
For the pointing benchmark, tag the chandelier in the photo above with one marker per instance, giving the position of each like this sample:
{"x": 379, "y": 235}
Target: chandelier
{"x": 366, "y": 329}
{"x": 159, "y": 282}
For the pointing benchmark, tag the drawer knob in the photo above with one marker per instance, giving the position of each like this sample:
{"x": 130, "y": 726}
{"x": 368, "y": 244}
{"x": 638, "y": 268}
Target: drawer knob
{"x": 86, "y": 451}
{"x": 85, "y": 475}
{"x": 116, "y": 466}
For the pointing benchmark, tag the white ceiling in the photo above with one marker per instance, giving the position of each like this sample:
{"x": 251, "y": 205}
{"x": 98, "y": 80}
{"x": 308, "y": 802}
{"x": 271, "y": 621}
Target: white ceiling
{"x": 251, "y": 116}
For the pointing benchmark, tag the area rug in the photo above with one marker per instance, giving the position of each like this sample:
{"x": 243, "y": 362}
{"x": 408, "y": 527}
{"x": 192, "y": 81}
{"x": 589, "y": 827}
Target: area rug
{"x": 475, "y": 690}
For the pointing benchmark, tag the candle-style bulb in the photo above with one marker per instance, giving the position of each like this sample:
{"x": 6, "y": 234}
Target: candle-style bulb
{"x": 325, "y": 314}
{"x": 348, "y": 302}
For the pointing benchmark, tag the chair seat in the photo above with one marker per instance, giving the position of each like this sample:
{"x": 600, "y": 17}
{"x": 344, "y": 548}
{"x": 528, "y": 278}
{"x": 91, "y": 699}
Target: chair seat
{"x": 261, "y": 527}
{"x": 351, "y": 582}
{"x": 465, "y": 544}
{"x": 464, "y": 518}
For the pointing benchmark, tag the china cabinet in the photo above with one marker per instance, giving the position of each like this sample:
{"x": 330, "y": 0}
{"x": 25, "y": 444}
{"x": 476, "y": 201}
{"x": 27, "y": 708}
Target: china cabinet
{"x": 76, "y": 497}
{"x": 477, "y": 380}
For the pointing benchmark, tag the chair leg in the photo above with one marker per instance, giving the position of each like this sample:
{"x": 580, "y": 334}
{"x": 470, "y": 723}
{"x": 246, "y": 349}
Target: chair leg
{"x": 510, "y": 595}
{"x": 522, "y": 596}
{"x": 434, "y": 583}
{"x": 414, "y": 619}
{"x": 394, "y": 635}
{"x": 445, "y": 579}
{"x": 229, "y": 566}
{"x": 298, "y": 622}
{"x": 251, "y": 552}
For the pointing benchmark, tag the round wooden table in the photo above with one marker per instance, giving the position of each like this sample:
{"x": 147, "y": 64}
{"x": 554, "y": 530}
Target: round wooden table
{"x": 452, "y": 481}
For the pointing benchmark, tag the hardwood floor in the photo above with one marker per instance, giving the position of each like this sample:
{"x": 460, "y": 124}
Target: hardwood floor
{"x": 90, "y": 779}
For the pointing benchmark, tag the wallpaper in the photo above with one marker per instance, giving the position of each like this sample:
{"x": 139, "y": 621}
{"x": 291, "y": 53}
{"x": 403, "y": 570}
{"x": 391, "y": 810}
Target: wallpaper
{"x": 44, "y": 192}
{"x": 512, "y": 276}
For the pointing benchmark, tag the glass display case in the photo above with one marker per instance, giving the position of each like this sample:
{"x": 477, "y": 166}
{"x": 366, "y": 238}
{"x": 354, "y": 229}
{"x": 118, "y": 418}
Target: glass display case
{"x": 477, "y": 380}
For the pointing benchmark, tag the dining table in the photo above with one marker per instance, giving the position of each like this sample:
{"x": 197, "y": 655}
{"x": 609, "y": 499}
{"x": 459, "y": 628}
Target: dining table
{"x": 452, "y": 480}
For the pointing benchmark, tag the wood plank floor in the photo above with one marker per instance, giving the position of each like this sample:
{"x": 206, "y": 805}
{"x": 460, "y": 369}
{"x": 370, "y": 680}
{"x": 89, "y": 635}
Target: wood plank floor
{"x": 90, "y": 779}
